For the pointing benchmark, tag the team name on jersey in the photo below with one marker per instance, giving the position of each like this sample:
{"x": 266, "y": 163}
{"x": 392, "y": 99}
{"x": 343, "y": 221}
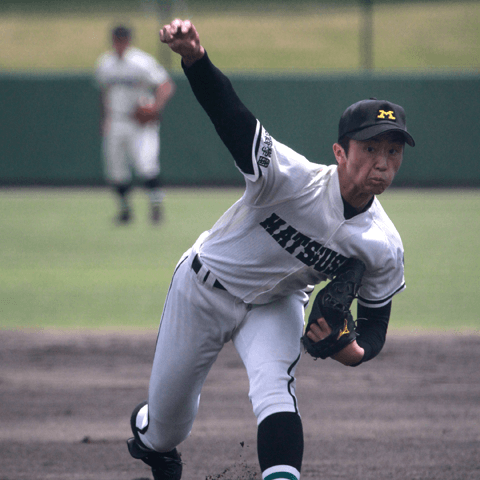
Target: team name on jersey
{"x": 266, "y": 155}
{"x": 308, "y": 251}
{"x": 127, "y": 82}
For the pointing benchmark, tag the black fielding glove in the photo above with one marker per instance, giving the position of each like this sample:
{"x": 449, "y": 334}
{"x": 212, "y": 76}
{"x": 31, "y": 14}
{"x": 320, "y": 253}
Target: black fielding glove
{"x": 333, "y": 304}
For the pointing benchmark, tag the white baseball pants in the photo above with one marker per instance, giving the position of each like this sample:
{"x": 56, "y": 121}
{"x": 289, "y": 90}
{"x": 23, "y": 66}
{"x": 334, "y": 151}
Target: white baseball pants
{"x": 127, "y": 145}
{"x": 198, "y": 319}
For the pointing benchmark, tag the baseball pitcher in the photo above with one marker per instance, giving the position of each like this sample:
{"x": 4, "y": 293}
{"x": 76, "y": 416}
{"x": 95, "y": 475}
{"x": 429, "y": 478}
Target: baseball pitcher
{"x": 249, "y": 278}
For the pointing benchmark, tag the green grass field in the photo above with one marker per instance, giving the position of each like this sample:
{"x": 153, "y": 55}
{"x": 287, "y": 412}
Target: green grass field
{"x": 64, "y": 263}
{"x": 413, "y": 36}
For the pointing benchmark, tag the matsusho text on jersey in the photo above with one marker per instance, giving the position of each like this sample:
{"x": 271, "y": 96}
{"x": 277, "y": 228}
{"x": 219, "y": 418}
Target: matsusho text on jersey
{"x": 308, "y": 251}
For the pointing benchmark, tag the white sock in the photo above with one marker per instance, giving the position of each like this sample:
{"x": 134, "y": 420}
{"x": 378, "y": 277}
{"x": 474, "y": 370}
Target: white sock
{"x": 281, "y": 472}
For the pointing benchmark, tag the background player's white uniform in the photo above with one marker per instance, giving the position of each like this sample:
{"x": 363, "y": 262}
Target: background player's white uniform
{"x": 127, "y": 82}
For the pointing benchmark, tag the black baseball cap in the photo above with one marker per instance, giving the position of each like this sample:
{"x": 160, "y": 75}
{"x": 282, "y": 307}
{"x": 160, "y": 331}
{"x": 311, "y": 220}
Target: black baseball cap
{"x": 368, "y": 118}
{"x": 122, "y": 32}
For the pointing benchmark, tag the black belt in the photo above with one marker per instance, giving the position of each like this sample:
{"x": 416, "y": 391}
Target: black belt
{"x": 197, "y": 265}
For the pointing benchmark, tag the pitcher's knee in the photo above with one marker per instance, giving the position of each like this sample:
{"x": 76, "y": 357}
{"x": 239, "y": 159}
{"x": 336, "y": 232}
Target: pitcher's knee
{"x": 272, "y": 395}
{"x": 266, "y": 408}
{"x": 272, "y": 390}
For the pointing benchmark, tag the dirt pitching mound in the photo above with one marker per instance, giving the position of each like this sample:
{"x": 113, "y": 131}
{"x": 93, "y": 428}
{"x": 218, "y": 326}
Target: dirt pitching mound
{"x": 410, "y": 414}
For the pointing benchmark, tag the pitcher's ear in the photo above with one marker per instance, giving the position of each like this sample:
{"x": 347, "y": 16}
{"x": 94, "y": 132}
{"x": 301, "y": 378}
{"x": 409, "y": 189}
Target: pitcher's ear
{"x": 340, "y": 154}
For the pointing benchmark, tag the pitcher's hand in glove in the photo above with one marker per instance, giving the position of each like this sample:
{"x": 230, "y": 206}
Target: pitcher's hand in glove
{"x": 331, "y": 327}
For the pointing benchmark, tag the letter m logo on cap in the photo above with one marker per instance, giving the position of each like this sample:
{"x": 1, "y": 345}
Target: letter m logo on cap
{"x": 388, "y": 115}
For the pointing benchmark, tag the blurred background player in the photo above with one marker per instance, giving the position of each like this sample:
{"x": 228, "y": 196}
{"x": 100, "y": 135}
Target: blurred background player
{"x": 134, "y": 91}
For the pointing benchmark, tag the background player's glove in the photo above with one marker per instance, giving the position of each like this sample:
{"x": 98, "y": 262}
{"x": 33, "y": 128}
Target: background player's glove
{"x": 333, "y": 304}
{"x": 146, "y": 113}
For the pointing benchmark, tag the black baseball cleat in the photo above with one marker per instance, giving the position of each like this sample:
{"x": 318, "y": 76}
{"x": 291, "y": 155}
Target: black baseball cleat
{"x": 124, "y": 216}
{"x": 165, "y": 465}
{"x": 156, "y": 214}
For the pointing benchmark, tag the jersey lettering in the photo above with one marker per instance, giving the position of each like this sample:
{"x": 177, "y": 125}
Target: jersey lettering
{"x": 272, "y": 223}
{"x": 297, "y": 240}
{"x": 127, "y": 82}
{"x": 308, "y": 251}
{"x": 264, "y": 160}
{"x": 283, "y": 237}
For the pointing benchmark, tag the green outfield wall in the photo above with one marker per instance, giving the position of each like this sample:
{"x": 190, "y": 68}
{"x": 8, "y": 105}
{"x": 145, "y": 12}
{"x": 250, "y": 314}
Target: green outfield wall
{"x": 49, "y": 126}
{"x": 217, "y": 5}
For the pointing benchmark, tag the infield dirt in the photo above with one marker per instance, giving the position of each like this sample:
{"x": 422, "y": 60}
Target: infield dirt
{"x": 410, "y": 414}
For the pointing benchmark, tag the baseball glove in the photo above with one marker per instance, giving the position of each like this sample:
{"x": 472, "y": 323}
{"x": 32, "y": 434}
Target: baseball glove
{"x": 146, "y": 113}
{"x": 333, "y": 304}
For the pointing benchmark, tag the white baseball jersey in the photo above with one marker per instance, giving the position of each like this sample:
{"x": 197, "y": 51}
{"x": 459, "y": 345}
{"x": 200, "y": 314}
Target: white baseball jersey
{"x": 288, "y": 231}
{"x": 128, "y": 80}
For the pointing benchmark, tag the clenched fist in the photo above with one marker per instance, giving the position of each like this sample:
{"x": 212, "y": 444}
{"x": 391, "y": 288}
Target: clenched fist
{"x": 182, "y": 37}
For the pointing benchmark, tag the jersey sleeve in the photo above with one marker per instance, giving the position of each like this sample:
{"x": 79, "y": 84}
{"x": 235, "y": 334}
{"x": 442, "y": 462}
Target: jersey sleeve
{"x": 385, "y": 277}
{"x": 148, "y": 70}
{"x": 157, "y": 75}
{"x": 279, "y": 173}
{"x": 99, "y": 79}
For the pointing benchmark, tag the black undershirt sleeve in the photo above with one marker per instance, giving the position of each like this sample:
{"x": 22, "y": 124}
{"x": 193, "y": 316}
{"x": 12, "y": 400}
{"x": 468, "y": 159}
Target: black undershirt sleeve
{"x": 234, "y": 123}
{"x": 372, "y": 325}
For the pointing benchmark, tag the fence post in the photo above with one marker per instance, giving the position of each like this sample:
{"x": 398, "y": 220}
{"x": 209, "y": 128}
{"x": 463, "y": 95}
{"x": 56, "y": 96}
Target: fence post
{"x": 366, "y": 35}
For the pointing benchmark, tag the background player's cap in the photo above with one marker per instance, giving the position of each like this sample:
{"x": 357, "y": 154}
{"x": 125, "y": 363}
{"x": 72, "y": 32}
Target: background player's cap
{"x": 369, "y": 118}
{"x": 121, "y": 31}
